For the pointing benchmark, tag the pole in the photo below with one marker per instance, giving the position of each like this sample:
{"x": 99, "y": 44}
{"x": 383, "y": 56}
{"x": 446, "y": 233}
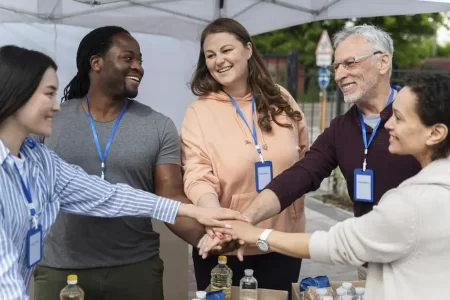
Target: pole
{"x": 323, "y": 97}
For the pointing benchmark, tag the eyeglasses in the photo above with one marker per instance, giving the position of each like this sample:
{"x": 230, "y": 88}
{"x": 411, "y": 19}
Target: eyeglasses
{"x": 351, "y": 62}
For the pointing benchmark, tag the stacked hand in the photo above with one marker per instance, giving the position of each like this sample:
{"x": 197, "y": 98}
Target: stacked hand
{"x": 237, "y": 235}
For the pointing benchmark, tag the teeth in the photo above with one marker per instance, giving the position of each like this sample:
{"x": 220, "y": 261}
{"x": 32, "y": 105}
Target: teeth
{"x": 133, "y": 78}
{"x": 224, "y": 69}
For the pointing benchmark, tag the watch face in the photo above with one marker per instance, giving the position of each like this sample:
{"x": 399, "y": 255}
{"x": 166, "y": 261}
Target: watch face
{"x": 262, "y": 245}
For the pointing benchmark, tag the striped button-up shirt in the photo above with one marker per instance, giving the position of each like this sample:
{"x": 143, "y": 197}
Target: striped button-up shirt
{"x": 57, "y": 185}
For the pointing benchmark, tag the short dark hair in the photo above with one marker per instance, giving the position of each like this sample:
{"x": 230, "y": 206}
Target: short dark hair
{"x": 432, "y": 91}
{"x": 96, "y": 42}
{"x": 21, "y": 72}
{"x": 270, "y": 101}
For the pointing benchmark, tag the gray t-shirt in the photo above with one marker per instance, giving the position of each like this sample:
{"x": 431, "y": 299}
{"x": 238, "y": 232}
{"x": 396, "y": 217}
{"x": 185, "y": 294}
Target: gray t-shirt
{"x": 144, "y": 139}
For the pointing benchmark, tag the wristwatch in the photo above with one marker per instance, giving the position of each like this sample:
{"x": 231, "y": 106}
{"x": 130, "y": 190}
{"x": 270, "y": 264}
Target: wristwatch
{"x": 262, "y": 241}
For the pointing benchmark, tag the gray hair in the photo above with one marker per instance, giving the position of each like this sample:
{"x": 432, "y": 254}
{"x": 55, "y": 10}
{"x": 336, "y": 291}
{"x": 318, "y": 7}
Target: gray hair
{"x": 379, "y": 39}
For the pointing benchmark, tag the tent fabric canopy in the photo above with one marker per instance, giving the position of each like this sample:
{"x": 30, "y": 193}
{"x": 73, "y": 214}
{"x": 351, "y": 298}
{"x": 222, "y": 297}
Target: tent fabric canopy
{"x": 185, "y": 19}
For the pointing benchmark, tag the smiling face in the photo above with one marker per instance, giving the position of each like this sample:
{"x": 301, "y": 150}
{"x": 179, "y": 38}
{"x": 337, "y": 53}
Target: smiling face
{"x": 120, "y": 70}
{"x": 408, "y": 134}
{"x": 36, "y": 115}
{"x": 358, "y": 79}
{"x": 227, "y": 58}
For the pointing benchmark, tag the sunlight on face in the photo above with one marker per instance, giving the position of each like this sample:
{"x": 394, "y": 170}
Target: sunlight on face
{"x": 226, "y": 58}
{"x": 36, "y": 115}
{"x": 407, "y": 133}
{"x": 359, "y": 79}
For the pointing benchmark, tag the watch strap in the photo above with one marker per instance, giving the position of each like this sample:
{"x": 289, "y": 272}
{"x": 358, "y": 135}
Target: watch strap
{"x": 265, "y": 234}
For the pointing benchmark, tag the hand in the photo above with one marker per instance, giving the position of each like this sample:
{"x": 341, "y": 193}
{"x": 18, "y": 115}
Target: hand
{"x": 242, "y": 230}
{"x": 210, "y": 216}
{"x": 217, "y": 246}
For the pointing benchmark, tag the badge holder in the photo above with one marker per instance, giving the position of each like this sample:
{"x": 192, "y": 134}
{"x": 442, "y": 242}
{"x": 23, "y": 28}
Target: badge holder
{"x": 363, "y": 185}
{"x": 263, "y": 174}
{"x": 34, "y": 244}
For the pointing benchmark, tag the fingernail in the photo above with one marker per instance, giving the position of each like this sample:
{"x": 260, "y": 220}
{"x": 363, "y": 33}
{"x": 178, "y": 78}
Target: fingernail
{"x": 220, "y": 236}
{"x": 213, "y": 236}
{"x": 228, "y": 226}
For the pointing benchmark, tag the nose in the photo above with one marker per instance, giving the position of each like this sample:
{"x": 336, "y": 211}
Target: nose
{"x": 220, "y": 59}
{"x": 340, "y": 73}
{"x": 56, "y": 105}
{"x": 136, "y": 65}
{"x": 388, "y": 125}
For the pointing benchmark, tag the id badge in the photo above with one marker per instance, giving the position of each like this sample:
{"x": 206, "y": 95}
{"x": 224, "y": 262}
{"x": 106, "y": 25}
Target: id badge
{"x": 263, "y": 174}
{"x": 34, "y": 246}
{"x": 363, "y": 185}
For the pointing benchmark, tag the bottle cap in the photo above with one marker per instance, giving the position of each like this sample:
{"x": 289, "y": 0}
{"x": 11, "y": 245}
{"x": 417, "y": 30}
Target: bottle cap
{"x": 72, "y": 279}
{"x": 222, "y": 259}
{"x": 346, "y": 285}
{"x": 248, "y": 272}
{"x": 321, "y": 291}
{"x": 200, "y": 294}
{"x": 341, "y": 291}
{"x": 360, "y": 290}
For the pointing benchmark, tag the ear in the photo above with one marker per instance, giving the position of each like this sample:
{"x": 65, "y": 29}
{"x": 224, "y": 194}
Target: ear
{"x": 96, "y": 63}
{"x": 249, "y": 49}
{"x": 385, "y": 64}
{"x": 439, "y": 132}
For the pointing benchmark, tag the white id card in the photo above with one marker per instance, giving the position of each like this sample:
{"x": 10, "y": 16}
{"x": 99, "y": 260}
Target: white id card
{"x": 363, "y": 185}
{"x": 263, "y": 174}
{"x": 34, "y": 246}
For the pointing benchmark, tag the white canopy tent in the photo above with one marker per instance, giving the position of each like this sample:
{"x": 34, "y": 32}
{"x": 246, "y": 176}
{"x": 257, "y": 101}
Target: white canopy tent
{"x": 184, "y": 19}
{"x": 168, "y": 32}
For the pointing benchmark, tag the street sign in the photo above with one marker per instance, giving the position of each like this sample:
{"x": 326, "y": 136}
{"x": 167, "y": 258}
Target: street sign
{"x": 324, "y": 78}
{"x": 324, "y": 50}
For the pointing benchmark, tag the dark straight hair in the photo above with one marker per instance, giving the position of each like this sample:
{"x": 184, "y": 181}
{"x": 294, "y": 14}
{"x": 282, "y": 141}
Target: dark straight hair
{"x": 21, "y": 72}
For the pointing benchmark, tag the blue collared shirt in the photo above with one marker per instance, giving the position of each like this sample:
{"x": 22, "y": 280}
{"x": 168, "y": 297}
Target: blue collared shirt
{"x": 58, "y": 186}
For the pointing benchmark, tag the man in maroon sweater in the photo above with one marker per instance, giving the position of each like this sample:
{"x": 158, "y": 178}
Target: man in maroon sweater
{"x": 362, "y": 70}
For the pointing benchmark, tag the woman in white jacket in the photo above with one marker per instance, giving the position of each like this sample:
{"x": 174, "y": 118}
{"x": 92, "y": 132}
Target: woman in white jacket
{"x": 406, "y": 238}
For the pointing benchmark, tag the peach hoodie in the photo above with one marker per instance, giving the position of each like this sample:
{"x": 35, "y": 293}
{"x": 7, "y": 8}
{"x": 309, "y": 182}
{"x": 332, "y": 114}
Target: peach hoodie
{"x": 218, "y": 155}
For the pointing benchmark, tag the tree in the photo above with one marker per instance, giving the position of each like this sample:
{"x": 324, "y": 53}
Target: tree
{"x": 413, "y": 37}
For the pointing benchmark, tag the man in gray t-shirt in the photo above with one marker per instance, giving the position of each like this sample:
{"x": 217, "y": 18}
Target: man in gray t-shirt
{"x": 115, "y": 258}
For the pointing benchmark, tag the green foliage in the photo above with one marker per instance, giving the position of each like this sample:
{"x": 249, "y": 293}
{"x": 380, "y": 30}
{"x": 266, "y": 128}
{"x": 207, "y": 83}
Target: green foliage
{"x": 413, "y": 37}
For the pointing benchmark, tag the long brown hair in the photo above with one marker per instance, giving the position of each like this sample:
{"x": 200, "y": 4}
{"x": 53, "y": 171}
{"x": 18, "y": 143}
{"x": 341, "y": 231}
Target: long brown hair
{"x": 269, "y": 100}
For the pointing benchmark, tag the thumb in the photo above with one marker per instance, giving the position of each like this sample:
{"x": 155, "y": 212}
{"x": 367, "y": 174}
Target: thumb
{"x": 240, "y": 252}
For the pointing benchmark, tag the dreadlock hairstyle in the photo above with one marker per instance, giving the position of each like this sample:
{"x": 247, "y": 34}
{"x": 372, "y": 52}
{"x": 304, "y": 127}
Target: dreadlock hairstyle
{"x": 96, "y": 42}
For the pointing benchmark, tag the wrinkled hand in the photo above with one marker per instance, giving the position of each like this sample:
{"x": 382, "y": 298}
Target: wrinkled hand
{"x": 242, "y": 231}
{"x": 212, "y": 216}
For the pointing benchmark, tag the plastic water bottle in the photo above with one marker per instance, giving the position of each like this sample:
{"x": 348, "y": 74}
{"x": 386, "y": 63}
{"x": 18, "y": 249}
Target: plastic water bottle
{"x": 71, "y": 291}
{"x": 350, "y": 290}
{"x": 359, "y": 293}
{"x": 340, "y": 293}
{"x": 320, "y": 294}
{"x": 222, "y": 278}
{"x": 248, "y": 286}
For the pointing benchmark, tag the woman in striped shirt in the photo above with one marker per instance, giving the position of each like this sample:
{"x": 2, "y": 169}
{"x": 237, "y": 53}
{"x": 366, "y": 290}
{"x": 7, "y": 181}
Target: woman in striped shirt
{"x": 35, "y": 184}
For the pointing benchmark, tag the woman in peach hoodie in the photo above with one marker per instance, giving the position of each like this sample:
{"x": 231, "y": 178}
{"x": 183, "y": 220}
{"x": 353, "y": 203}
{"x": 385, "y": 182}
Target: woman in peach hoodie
{"x": 242, "y": 131}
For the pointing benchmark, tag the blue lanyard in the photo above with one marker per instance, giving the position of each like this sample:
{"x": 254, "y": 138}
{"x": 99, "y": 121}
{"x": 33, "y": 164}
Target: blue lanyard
{"x": 253, "y": 130}
{"x": 111, "y": 136}
{"x": 27, "y": 191}
{"x": 374, "y": 131}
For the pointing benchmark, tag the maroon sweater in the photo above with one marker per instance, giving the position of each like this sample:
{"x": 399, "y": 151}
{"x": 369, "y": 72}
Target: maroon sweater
{"x": 341, "y": 145}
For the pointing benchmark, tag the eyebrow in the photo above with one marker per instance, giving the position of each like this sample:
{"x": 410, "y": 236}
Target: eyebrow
{"x": 52, "y": 87}
{"x": 221, "y": 47}
{"x": 132, "y": 52}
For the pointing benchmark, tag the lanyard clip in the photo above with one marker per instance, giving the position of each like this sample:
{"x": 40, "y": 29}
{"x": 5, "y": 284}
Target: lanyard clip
{"x": 261, "y": 157}
{"x": 34, "y": 222}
